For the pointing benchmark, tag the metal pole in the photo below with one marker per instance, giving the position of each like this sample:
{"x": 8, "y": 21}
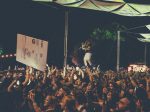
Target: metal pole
{"x": 145, "y": 53}
{"x": 65, "y": 42}
{"x": 118, "y": 50}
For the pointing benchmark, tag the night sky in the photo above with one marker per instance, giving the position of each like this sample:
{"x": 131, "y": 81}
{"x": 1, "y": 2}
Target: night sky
{"x": 47, "y": 22}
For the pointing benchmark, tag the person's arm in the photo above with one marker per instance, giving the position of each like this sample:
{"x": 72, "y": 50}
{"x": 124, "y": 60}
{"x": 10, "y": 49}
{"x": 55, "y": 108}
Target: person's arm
{"x": 72, "y": 76}
{"x": 34, "y": 104}
{"x": 147, "y": 84}
{"x": 81, "y": 73}
{"x": 53, "y": 71}
{"x": 90, "y": 74}
{"x": 133, "y": 82}
{"x": 9, "y": 89}
{"x": 102, "y": 104}
{"x": 44, "y": 78}
{"x": 27, "y": 77}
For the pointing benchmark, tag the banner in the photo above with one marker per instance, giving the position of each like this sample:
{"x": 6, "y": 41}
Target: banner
{"x": 32, "y": 51}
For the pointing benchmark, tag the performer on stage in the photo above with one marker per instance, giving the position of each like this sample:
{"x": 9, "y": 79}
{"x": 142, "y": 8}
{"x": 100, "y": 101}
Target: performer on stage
{"x": 87, "y": 47}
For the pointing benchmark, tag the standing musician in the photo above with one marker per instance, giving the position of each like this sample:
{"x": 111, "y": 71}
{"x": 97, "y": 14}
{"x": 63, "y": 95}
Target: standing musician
{"x": 87, "y": 47}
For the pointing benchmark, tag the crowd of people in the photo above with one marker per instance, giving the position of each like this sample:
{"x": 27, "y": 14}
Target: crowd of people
{"x": 79, "y": 90}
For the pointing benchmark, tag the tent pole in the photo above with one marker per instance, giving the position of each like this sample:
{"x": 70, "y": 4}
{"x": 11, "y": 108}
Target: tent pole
{"x": 118, "y": 51}
{"x": 65, "y": 42}
{"x": 145, "y": 53}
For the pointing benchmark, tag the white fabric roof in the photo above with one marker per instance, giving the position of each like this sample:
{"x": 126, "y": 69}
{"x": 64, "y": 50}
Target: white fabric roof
{"x": 126, "y": 10}
{"x": 143, "y": 40}
{"x": 141, "y": 8}
{"x": 114, "y": 6}
{"x": 101, "y": 6}
{"x": 146, "y": 35}
{"x": 43, "y": 0}
{"x": 148, "y": 26}
{"x": 114, "y": 1}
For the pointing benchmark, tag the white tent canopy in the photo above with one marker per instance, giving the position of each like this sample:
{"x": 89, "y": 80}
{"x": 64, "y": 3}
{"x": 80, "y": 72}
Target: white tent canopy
{"x": 141, "y": 8}
{"x": 126, "y": 10}
{"x": 145, "y": 35}
{"x": 144, "y": 40}
{"x": 148, "y": 26}
{"x": 114, "y": 1}
{"x": 114, "y": 6}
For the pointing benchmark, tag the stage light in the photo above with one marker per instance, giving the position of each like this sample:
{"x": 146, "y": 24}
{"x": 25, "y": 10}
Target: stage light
{"x": 2, "y": 56}
{"x": 7, "y": 56}
{"x": 14, "y": 54}
{"x": 11, "y": 55}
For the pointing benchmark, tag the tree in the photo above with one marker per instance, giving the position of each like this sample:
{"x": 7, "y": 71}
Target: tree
{"x": 108, "y": 32}
{"x": 1, "y": 51}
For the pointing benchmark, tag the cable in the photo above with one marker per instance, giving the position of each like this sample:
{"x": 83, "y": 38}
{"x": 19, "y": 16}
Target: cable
{"x": 130, "y": 32}
{"x": 134, "y": 28}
